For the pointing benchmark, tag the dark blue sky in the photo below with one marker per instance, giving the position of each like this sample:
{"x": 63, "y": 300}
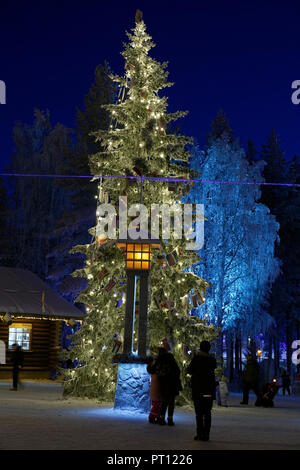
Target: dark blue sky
{"x": 239, "y": 56}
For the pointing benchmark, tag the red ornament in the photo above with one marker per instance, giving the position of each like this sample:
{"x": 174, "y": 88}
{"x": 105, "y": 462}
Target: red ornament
{"x": 110, "y": 285}
{"x": 102, "y": 274}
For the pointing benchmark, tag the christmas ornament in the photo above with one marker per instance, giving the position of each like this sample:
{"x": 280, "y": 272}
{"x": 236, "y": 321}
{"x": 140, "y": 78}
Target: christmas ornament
{"x": 167, "y": 305}
{"x": 172, "y": 186}
{"x": 102, "y": 274}
{"x": 163, "y": 303}
{"x": 166, "y": 345}
{"x": 110, "y": 285}
{"x": 172, "y": 258}
{"x": 117, "y": 344}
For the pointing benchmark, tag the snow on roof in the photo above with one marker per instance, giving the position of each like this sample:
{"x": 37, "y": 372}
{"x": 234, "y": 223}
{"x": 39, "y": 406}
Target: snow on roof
{"x": 23, "y": 292}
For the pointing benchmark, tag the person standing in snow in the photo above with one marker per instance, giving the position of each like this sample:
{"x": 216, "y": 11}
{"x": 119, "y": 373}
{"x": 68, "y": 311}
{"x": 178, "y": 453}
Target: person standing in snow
{"x": 285, "y": 383}
{"x": 202, "y": 370}
{"x": 250, "y": 380}
{"x": 168, "y": 374}
{"x": 18, "y": 363}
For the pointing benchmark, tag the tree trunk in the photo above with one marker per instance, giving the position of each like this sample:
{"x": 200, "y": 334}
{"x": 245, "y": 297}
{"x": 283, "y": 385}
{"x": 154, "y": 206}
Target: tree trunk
{"x": 219, "y": 351}
{"x": 253, "y": 347}
{"x": 229, "y": 354}
{"x": 237, "y": 356}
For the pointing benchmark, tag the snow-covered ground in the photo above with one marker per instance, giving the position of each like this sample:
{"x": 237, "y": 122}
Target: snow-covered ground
{"x": 37, "y": 417}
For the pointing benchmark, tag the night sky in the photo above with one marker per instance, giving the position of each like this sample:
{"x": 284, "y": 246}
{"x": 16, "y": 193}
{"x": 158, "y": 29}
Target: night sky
{"x": 239, "y": 56}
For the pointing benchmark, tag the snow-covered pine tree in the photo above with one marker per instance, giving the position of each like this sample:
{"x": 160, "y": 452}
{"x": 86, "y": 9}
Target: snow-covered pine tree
{"x": 240, "y": 237}
{"x": 137, "y": 143}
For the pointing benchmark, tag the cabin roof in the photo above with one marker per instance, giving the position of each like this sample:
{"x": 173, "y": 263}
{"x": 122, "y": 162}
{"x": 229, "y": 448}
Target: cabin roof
{"x": 23, "y": 293}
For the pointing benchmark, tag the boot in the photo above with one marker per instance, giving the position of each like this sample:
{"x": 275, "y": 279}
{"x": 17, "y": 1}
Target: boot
{"x": 152, "y": 420}
{"x": 170, "y": 421}
{"x": 161, "y": 421}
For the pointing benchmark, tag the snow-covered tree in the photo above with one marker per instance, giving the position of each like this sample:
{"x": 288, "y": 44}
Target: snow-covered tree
{"x": 239, "y": 237}
{"x": 137, "y": 143}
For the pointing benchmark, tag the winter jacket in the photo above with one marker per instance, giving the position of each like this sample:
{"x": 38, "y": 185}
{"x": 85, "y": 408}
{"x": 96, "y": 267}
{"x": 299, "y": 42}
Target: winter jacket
{"x": 168, "y": 374}
{"x": 285, "y": 380}
{"x": 202, "y": 370}
{"x": 251, "y": 372}
{"x": 17, "y": 358}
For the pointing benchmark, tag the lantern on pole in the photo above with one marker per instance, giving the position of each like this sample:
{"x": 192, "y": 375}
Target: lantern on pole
{"x": 138, "y": 257}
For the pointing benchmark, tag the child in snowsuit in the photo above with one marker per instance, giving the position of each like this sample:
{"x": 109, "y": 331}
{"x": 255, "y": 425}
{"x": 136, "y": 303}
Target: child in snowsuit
{"x": 155, "y": 395}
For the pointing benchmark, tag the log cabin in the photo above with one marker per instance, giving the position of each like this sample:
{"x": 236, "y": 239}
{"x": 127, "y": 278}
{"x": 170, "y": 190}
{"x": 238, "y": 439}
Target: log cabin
{"x": 32, "y": 314}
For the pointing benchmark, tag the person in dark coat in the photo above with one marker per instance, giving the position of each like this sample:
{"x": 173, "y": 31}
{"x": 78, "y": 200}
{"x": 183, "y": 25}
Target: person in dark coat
{"x": 250, "y": 380}
{"x": 168, "y": 374}
{"x": 285, "y": 383}
{"x": 18, "y": 363}
{"x": 203, "y": 383}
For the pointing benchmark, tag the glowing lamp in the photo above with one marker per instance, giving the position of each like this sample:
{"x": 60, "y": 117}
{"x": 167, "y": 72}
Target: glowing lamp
{"x": 139, "y": 253}
{"x": 259, "y": 353}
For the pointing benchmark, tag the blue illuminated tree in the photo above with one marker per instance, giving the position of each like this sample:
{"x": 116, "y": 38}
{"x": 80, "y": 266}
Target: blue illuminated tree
{"x": 239, "y": 237}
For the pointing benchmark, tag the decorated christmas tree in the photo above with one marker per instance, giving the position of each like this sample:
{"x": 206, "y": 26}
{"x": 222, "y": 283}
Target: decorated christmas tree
{"x": 138, "y": 149}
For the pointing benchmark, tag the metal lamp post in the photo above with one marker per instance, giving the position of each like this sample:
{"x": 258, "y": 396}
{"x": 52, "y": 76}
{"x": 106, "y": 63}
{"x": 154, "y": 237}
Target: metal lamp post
{"x": 138, "y": 255}
{"x": 132, "y": 392}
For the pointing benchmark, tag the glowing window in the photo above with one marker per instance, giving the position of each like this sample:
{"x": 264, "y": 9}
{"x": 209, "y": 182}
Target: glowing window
{"x": 20, "y": 333}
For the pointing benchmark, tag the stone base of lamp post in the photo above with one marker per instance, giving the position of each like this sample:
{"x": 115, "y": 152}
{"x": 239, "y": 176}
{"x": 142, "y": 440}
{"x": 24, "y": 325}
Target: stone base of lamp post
{"x": 133, "y": 388}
